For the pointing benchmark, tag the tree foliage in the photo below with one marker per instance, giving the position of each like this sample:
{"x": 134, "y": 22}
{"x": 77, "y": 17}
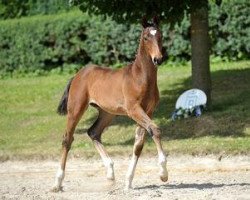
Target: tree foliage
{"x": 132, "y": 11}
{"x": 19, "y": 8}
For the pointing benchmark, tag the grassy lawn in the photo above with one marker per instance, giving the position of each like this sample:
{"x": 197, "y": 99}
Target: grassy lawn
{"x": 30, "y": 127}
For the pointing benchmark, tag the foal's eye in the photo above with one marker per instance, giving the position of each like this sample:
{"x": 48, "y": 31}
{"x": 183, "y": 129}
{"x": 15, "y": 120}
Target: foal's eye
{"x": 145, "y": 38}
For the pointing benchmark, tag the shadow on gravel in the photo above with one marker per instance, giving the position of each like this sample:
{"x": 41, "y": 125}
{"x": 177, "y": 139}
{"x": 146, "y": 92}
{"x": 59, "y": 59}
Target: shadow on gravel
{"x": 199, "y": 186}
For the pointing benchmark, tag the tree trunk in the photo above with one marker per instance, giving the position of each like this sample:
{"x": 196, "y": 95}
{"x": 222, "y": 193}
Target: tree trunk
{"x": 201, "y": 78}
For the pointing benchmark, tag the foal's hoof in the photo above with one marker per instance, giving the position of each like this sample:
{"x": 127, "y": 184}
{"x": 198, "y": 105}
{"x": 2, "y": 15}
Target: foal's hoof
{"x": 57, "y": 189}
{"x": 111, "y": 177}
{"x": 164, "y": 178}
{"x": 128, "y": 188}
{"x": 111, "y": 174}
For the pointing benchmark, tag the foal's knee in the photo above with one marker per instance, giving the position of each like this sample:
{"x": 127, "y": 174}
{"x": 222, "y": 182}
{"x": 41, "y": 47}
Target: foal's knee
{"x": 66, "y": 143}
{"x": 154, "y": 131}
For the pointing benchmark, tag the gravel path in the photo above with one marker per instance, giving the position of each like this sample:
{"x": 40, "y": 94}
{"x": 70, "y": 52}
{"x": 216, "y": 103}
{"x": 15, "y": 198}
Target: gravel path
{"x": 189, "y": 178}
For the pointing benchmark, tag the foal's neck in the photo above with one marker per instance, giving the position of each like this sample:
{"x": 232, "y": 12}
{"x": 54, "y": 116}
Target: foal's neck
{"x": 144, "y": 62}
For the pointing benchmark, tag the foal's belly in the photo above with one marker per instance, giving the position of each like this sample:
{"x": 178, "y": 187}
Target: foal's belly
{"x": 108, "y": 96}
{"x": 112, "y": 107}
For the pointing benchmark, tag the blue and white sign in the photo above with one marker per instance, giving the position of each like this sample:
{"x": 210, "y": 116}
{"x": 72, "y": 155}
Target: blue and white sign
{"x": 191, "y": 98}
{"x": 190, "y": 103}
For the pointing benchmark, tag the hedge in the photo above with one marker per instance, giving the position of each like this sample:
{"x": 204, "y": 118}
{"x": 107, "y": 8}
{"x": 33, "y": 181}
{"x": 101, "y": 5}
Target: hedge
{"x": 230, "y": 30}
{"x": 47, "y": 42}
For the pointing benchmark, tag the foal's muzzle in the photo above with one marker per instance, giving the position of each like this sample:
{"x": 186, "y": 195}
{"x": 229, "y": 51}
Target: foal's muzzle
{"x": 157, "y": 61}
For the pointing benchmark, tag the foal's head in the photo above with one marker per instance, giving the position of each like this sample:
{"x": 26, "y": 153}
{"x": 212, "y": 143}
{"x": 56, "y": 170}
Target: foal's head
{"x": 151, "y": 40}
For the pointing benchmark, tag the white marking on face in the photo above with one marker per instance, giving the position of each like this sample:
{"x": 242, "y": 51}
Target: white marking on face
{"x": 153, "y": 32}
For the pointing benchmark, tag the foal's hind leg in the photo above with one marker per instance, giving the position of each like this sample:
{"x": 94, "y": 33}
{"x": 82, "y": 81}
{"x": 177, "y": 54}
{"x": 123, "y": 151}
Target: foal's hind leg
{"x": 95, "y": 131}
{"x": 73, "y": 117}
{"x": 139, "y": 142}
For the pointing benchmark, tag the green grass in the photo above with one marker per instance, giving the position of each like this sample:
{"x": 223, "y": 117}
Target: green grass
{"x": 30, "y": 127}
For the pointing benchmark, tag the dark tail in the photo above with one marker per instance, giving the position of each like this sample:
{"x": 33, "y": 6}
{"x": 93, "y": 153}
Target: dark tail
{"x": 62, "y": 107}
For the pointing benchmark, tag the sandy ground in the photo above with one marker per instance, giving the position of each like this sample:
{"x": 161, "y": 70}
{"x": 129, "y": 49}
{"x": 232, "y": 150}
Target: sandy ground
{"x": 189, "y": 178}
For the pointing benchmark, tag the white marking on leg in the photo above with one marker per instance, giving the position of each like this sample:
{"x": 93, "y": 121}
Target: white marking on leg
{"x": 153, "y": 31}
{"x": 109, "y": 164}
{"x": 131, "y": 172}
{"x": 59, "y": 178}
{"x": 163, "y": 170}
{"x": 106, "y": 160}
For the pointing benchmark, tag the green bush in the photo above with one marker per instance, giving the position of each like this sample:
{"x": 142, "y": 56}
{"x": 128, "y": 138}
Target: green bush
{"x": 230, "y": 30}
{"x": 42, "y": 43}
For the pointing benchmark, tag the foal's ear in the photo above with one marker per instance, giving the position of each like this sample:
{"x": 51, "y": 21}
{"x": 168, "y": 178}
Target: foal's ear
{"x": 156, "y": 20}
{"x": 144, "y": 22}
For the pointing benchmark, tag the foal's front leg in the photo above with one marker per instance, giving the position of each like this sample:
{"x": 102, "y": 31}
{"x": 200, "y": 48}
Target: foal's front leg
{"x": 138, "y": 114}
{"x": 139, "y": 141}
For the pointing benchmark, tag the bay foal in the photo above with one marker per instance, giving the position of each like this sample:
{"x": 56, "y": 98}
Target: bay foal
{"x": 130, "y": 91}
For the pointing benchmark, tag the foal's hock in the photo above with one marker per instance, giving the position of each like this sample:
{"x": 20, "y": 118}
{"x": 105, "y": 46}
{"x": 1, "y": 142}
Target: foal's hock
{"x": 131, "y": 91}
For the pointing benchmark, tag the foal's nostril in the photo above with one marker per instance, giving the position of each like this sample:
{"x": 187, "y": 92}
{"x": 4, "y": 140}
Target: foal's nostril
{"x": 159, "y": 61}
{"x": 155, "y": 60}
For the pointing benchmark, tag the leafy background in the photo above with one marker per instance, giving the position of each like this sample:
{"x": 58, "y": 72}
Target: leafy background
{"x": 69, "y": 40}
